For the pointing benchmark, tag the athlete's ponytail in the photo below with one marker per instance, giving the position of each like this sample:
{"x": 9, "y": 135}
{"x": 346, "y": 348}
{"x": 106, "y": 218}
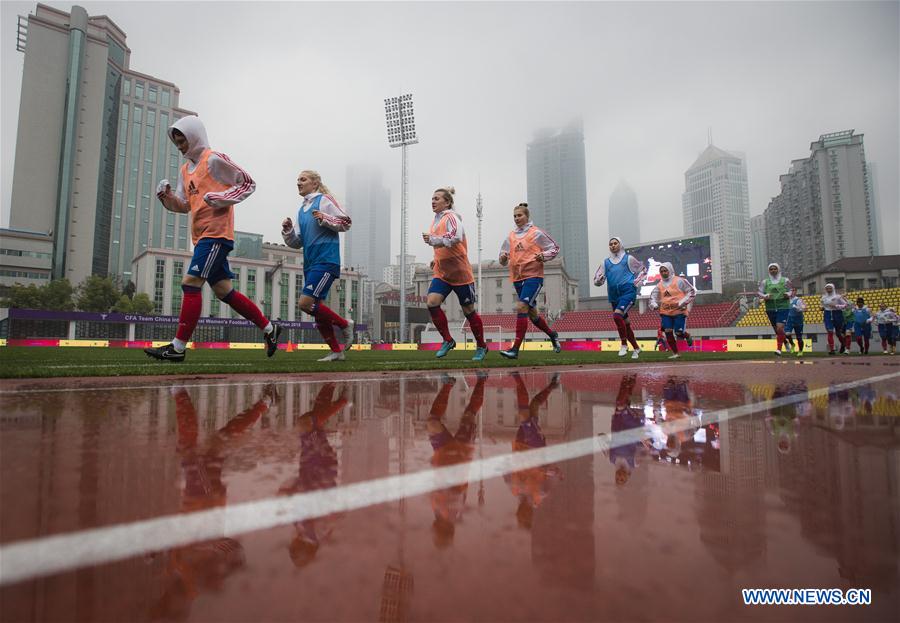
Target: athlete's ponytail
{"x": 447, "y": 192}
{"x": 322, "y": 188}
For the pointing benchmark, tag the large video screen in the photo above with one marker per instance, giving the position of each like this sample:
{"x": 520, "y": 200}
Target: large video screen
{"x": 694, "y": 258}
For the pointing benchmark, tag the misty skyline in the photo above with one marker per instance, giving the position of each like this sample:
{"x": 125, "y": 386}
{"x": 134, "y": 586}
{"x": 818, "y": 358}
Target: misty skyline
{"x": 302, "y": 86}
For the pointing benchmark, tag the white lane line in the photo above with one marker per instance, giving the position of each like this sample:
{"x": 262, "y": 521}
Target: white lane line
{"x": 568, "y": 369}
{"x": 32, "y": 558}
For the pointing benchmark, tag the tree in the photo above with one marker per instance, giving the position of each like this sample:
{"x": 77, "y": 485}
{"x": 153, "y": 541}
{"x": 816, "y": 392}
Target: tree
{"x": 141, "y": 304}
{"x": 24, "y": 297}
{"x": 123, "y": 305}
{"x": 129, "y": 289}
{"x": 58, "y": 294}
{"x": 97, "y": 294}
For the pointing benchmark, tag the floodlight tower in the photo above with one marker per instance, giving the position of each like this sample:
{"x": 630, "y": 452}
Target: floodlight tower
{"x": 401, "y": 129}
{"x": 479, "y": 212}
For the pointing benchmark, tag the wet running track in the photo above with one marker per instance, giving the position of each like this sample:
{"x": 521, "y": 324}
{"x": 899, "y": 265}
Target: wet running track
{"x": 615, "y": 493}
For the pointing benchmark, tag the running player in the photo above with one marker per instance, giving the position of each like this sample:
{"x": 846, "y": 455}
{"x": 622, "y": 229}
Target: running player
{"x": 833, "y": 305}
{"x": 622, "y": 272}
{"x": 862, "y": 325}
{"x": 525, "y": 250}
{"x": 452, "y": 272}
{"x": 887, "y": 320}
{"x": 660, "y": 340}
{"x": 849, "y": 328}
{"x": 795, "y": 322}
{"x": 208, "y": 186}
{"x": 776, "y": 291}
{"x": 673, "y": 296}
{"x": 319, "y": 220}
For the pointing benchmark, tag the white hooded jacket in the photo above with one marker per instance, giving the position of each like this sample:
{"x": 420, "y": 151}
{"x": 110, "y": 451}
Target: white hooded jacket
{"x": 775, "y": 279}
{"x": 680, "y": 282}
{"x": 221, "y": 168}
{"x": 833, "y": 301}
{"x": 634, "y": 265}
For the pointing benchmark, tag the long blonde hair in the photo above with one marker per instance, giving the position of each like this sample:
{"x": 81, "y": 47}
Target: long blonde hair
{"x": 322, "y": 188}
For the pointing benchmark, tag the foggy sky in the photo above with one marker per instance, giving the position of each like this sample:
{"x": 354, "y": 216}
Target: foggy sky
{"x": 288, "y": 86}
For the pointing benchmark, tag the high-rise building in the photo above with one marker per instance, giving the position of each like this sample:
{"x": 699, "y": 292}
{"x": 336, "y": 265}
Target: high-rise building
{"x": 760, "y": 254}
{"x": 367, "y": 246}
{"x": 624, "y": 219}
{"x": 391, "y": 273}
{"x": 825, "y": 210}
{"x": 557, "y": 196}
{"x": 793, "y": 227}
{"x": 91, "y": 146}
{"x": 716, "y": 200}
{"x": 878, "y": 238}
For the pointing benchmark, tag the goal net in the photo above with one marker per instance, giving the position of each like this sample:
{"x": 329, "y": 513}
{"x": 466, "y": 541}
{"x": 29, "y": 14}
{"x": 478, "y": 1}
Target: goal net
{"x": 492, "y": 333}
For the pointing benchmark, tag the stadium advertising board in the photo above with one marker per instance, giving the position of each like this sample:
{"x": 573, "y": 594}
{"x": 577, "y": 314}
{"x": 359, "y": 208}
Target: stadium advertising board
{"x": 696, "y": 258}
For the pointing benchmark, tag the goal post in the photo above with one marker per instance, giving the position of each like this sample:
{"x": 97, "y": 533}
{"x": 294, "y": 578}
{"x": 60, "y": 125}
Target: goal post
{"x": 492, "y": 333}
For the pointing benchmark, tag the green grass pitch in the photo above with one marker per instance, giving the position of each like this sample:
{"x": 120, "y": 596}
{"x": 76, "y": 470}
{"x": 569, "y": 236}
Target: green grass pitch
{"x": 37, "y": 362}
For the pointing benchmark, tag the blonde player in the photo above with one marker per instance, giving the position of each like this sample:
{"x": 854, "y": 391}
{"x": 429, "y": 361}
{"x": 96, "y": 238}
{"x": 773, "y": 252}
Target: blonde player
{"x": 451, "y": 272}
{"x": 525, "y": 250}
{"x": 319, "y": 221}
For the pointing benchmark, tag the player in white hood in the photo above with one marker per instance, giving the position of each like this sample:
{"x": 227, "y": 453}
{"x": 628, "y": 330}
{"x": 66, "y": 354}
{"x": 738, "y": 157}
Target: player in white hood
{"x": 622, "y": 273}
{"x": 776, "y": 290}
{"x": 208, "y": 186}
{"x": 833, "y": 305}
{"x": 886, "y": 319}
{"x": 673, "y": 296}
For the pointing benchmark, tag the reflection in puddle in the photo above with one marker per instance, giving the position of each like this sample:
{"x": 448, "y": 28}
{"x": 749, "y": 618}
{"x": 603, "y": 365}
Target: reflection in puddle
{"x": 318, "y": 470}
{"x": 203, "y": 566}
{"x": 800, "y": 493}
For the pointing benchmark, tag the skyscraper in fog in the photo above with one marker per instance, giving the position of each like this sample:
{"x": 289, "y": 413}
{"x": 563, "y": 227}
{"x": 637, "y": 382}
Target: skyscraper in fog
{"x": 368, "y": 243}
{"x": 557, "y": 196}
{"x": 874, "y": 210}
{"x": 716, "y": 199}
{"x": 624, "y": 220}
{"x": 91, "y": 146}
{"x": 825, "y": 209}
{"x": 758, "y": 240}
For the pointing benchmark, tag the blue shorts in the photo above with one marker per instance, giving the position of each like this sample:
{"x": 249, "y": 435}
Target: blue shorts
{"x": 864, "y": 330}
{"x": 528, "y": 289}
{"x": 777, "y": 316}
{"x": 464, "y": 293}
{"x": 317, "y": 282}
{"x": 888, "y": 331}
{"x": 624, "y": 302}
{"x": 794, "y": 324}
{"x": 210, "y": 261}
{"x": 833, "y": 319}
{"x": 674, "y": 323}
